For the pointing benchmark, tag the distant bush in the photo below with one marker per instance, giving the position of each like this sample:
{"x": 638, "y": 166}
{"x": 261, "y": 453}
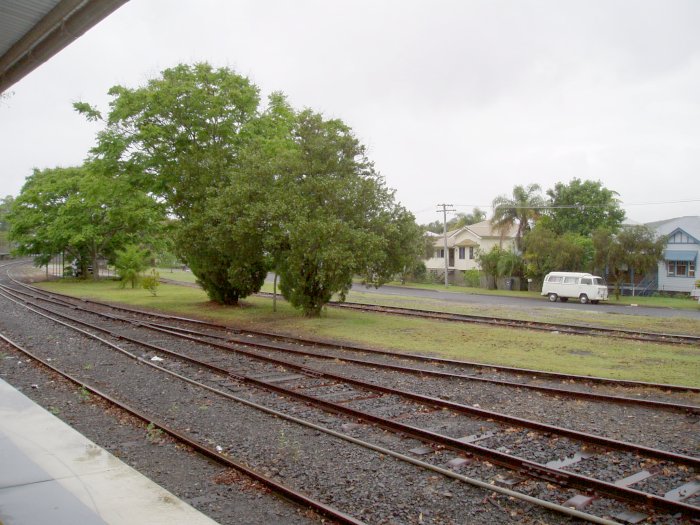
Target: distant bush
{"x": 472, "y": 278}
{"x": 150, "y": 282}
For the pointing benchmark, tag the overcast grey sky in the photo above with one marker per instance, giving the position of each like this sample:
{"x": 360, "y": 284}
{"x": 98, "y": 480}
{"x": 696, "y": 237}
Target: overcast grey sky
{"x": 457, "y": 101}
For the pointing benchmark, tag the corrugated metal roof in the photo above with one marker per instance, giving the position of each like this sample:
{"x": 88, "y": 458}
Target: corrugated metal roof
{"x": 18, "y": 17}
{"x": 690, "y": 224}
{"x": 32, "y": 31}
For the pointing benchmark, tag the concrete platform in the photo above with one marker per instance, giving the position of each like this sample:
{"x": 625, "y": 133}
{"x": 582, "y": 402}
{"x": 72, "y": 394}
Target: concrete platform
{"x": 51, "y": 474}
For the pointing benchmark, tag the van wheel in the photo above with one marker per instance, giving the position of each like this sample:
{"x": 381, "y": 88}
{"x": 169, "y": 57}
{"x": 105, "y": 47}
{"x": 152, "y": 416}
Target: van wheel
{"x": 563, "y": 299}
{"x": 583, "y": 299}
{"x": 552, "y": 298}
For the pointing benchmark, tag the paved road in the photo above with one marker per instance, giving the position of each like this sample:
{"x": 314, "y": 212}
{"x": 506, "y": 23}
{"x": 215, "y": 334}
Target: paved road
{"x": 526, "y": 302}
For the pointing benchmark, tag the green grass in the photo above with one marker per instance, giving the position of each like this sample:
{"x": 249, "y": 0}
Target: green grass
{"x": 590, "y": 315}
{"x": 521, "y": 348}
{"x": 177, "y": 275}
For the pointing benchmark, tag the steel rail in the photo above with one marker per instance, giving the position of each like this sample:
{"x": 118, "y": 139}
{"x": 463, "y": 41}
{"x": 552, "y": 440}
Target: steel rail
{"x": 549, "y": 390}
{"x": 207, "y": 451}
{"x": 417, "y": 357}
{"x": 532, "y": 468}
{"x": 457, "y": 407}
{"x": 693, "y": 409}
{"x": 215, "y": 455}
{"x": 649, "y": 403}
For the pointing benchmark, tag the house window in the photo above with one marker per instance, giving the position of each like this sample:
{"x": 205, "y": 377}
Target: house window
{"x": 440, "y": 254}
{"x": 471, "y": 252}
{"x": 680, "y": 268}
{"x": 462, "y": 252}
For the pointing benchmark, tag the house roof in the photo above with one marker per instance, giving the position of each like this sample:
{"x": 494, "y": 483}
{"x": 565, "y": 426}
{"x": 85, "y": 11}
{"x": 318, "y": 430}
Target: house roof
{"x": 690, "y": 224}
{"x": 486, "y": 229}
{"x": 470, "y": 235}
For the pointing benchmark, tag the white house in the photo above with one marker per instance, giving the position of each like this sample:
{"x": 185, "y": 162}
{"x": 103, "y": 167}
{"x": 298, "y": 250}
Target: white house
{"x": 677, "y": 272}
{"x": 463, "y": 244}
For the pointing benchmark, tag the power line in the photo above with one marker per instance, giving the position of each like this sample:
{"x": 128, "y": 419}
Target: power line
{"x": 578, "y": 206}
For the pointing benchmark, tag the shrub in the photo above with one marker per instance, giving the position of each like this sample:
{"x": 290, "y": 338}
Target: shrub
{"x": 472, "y": 278}
{"x": 151, "y": 282}
{"x": 130, "y": 262}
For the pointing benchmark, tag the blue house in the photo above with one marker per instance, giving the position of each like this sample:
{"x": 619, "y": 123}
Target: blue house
{"x": 677, "y": 272}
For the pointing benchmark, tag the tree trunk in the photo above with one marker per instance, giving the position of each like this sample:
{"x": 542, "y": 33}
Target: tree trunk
{"x": 274, "y": 294}
{"x": 95, "y": 267}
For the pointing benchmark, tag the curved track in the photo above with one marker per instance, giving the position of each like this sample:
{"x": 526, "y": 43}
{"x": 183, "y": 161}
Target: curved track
{"x": 345, "y": 391}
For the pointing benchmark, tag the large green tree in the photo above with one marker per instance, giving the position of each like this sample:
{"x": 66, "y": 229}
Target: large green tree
{"x": 180, "y": 137}
{"x": 634, "y": 250}
{"x": 581, "y": 207}
{"x": 332, "y": 217}
{"x": 520, "y": 210}
{"x": 256, "y": 189}
{"x": 5, "y": 207}
{"x": 547, "y": 251}
{"x": 82, "y": 214}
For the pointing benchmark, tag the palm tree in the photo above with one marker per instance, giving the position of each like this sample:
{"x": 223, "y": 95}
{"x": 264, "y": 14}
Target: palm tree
{"x": 522, "y": 208}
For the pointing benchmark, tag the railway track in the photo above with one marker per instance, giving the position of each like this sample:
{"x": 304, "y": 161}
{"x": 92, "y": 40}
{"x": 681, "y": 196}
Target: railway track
{"x": 588, "y": 386}
{"x": 199, "y": 446}
{"x": 378, "y": 453}
{"x": 333, "y": 352}
{"x": 340, "y": 393}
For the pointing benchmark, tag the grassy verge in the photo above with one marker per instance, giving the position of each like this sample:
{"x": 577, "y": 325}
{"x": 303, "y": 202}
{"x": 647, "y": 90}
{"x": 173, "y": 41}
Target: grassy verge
{"x": 521, "y": 348}
{"x": 590, "y": 315}
{"x": 177, "y": 275}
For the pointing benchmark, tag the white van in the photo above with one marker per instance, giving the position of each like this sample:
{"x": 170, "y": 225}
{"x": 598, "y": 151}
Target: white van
{"x": 582, "y": 286}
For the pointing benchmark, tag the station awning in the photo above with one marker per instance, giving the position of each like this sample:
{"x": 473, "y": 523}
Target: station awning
{"x": 32, "y": 31}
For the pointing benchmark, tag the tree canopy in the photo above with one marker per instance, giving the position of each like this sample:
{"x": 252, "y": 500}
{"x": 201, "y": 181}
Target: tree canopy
{"x": 5, "y": 207}
{"x": 458, "y": 221}
{"x": 581, "y": 207}
{"x": 633, "y": 250}
{"x": 179, "y": 135}
{"x": 547, "y": 251}
{"x": 82, "y": 213}
{"x": 335, "y": 217}
{"x": 256, "y": 188}
{"x": 521, "y": 209}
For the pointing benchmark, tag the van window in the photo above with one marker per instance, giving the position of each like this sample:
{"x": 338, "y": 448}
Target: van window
{"x": 570, "y": 280}
{"x": 586, "y": 280}
{"x": 554, "y": 279}
{"x": 599, "y": 281}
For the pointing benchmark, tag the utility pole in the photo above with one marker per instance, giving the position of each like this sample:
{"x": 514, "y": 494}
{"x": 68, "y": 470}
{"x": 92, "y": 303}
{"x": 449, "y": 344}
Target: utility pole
{"x": 444, "y": 233}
